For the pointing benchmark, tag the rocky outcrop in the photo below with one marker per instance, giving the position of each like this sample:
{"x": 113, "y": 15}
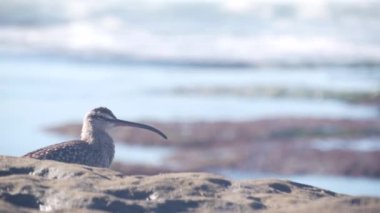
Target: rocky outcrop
{"x": 281, "y": 146}
{"x": 28, "y": 185}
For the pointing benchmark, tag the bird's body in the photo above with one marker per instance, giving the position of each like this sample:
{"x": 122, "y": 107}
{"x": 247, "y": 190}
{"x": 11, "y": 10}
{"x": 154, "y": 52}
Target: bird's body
{"x": 96, "y": 147}
{"x": 73, "y": 152}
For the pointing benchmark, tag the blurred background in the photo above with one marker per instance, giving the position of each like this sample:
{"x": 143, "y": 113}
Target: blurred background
{"x": 246, "y": 89}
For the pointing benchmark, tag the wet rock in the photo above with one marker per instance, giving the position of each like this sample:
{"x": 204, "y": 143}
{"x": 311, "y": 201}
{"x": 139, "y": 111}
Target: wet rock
{"x": 28, "y": 185}
{"x": 282, "y": 146}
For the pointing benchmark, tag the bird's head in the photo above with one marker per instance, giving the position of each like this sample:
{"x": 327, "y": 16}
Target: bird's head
{"x": 102, "y": 118}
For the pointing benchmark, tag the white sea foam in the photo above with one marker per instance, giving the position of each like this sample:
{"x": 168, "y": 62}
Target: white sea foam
{"x": 212, "y": 32}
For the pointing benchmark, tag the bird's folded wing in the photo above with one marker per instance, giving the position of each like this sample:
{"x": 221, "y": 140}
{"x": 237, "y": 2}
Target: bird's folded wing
{"x": 70, "y": 152}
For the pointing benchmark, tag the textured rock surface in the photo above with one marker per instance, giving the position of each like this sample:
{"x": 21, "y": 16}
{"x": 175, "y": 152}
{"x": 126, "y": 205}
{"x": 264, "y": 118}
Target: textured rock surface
{"x": 28, "y": 185}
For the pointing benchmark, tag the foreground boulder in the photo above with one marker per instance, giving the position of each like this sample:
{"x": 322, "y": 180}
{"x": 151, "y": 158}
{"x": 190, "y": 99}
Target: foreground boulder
{"x": 28, "y": 185}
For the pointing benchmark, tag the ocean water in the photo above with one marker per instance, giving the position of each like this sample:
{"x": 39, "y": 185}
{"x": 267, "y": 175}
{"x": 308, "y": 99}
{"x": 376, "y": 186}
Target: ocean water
{"x": 196, "y": 32}
{"x": 38, "y": 92}
{"x": 59, "y": 59}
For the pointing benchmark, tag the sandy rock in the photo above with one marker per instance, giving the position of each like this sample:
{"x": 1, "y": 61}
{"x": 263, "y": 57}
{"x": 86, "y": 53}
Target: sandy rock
{"x": 28, "y": 185}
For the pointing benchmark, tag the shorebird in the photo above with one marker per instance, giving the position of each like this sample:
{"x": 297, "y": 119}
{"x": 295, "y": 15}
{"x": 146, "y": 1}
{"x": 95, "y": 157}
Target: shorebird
{"x": 95, "y": 147}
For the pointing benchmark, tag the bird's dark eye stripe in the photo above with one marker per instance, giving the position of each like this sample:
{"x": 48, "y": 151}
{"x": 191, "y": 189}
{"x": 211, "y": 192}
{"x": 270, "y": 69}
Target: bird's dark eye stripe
{"x": 104, "y": 117}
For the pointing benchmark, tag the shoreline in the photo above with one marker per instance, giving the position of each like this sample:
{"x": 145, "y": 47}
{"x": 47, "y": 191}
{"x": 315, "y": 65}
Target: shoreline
{"x": 282, "y": 146}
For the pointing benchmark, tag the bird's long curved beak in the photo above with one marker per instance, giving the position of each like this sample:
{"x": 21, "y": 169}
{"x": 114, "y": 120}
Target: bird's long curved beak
{"x": 118, "y": 122}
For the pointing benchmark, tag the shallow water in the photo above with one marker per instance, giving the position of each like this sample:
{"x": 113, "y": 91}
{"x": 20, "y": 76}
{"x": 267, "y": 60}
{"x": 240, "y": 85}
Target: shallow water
{"x": 39, "y": 92}
{"x": 137, "y": 154}
{"x": 370, "y": 144}
{"x": 345, "y": 185}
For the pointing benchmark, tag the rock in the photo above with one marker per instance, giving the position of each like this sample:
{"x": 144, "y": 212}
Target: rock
{"x": 29, "y": 185}
{"x": 281, "y": 146}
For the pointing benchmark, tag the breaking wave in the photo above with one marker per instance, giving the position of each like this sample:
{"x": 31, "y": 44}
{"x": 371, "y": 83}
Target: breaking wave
{"x": 196, "y": 33}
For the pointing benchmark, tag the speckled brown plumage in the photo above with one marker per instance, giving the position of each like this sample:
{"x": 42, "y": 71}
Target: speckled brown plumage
{"x": 75, "y": 151}
{"x": 96, "y": 147}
